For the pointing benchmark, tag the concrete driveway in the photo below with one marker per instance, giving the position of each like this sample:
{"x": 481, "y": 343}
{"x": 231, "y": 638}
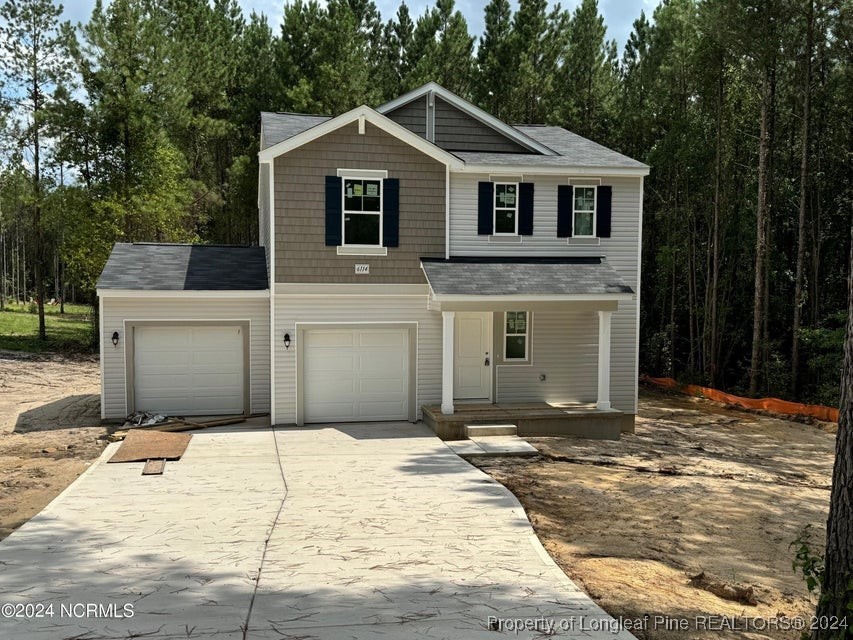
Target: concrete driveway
{"x": 347, "y": 531}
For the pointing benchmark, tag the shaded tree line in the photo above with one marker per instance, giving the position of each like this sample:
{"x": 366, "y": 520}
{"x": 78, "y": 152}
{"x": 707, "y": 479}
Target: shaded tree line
{"x": 142, "y": 125}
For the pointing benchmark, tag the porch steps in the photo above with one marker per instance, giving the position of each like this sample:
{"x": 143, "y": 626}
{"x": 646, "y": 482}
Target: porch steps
{"x": 479, "y": 430}
{"x": 492, "y": 446}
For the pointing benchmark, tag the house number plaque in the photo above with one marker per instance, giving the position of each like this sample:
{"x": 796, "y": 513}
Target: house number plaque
{"x": 362, "y": 269}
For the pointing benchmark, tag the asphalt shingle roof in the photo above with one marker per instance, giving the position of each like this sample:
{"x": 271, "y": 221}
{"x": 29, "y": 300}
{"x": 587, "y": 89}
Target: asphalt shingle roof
{"x": 518, "y": 276}
{"x": 184, "y": 267}
{"x": 573, "y": 150}
{"x": 278, "y": 127}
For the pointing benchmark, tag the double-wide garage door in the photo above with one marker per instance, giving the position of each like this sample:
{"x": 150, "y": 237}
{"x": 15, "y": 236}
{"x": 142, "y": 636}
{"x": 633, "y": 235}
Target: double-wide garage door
{"x": 355, "y": 374}
{"x": 189, "y": 369}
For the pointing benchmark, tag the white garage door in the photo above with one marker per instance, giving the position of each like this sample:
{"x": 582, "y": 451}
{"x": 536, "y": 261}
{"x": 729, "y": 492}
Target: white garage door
{"x": 188, "y": 370}
{"x": 355, "y": 374}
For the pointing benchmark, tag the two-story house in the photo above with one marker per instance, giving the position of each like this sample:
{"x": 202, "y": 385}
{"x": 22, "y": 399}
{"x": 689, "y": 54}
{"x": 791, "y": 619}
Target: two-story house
{"x": 420, "y": 254}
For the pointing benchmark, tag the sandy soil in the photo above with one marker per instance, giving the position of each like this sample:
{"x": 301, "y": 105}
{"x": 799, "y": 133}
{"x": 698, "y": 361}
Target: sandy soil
{"x": 696, "y": 488}
{"x": 49, "y": 430}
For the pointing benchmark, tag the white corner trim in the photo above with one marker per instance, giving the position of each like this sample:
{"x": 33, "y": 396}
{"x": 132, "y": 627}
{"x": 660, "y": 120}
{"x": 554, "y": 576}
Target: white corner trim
{"x": 373, "y": 117}
{"x": 355, "y": 250}
{"x": 447, "y": 213}
{"x": 271, "y": 293}
{"x": 101, "y": 353}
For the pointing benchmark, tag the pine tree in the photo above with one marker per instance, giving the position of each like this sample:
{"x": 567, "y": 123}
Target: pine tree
{"x": 35, "y": 45}
{"x": 588, "y": 80}
{"x": 495, "y": 60}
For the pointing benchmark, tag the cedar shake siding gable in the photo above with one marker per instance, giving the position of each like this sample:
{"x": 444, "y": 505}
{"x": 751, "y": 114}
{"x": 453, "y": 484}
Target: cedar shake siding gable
{"x": 301, "y": 253}
{"x": 412, "y": 116}
{"x": 459, "y": 131}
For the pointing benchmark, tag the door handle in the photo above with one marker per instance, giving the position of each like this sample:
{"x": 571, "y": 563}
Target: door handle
{"x": 486, "y": 363}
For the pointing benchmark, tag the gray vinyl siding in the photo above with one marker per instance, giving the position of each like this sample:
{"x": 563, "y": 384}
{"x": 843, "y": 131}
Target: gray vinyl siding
{"x": 301, "y": 254}
{"x": 290, "y": 309}
{"x": 117, "y": 310}
{"x": 457, "y": 131}
{"x": 621, "y": 251}
{"x": 264, "y": 229}
{"x": 412, "y": 116}
{"x": 563, "y": 348}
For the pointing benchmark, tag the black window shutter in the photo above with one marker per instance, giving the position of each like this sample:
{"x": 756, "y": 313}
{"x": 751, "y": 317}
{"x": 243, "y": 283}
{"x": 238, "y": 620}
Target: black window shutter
{"x": 565, "y": 193}
{"x": 485, "y": 208}
{"x": 334, "y": 211}
{"x": 391, "y": 213}
{"x": 602, "y": 211}
{"x": 525, "y": 209}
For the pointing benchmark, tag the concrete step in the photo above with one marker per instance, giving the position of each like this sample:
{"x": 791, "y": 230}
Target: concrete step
{"x": 475, "y": 430}
{"x": 502, "y": 446}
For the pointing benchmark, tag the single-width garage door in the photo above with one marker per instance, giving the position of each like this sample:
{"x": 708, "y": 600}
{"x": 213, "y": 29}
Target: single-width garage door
{"x": 355, "y": 374}
{"x": 189, "y": 370}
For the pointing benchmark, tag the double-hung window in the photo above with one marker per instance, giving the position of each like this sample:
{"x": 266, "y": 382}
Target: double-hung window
{"x": 362, "y": 212}
{"x": 584, "y": 212}
{"x": 516, "y": 335}
{"x": 506, "y": 208}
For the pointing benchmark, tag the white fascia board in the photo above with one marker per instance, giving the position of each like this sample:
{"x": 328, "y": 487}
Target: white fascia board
{"x": 472, "y": 110}
{"x": 373, "y": 117}
{"x": 566, "y": 297}
{"x": 151, "y": 293}
{"x": 570, "y": 171}
{"x": 324, "y": 290}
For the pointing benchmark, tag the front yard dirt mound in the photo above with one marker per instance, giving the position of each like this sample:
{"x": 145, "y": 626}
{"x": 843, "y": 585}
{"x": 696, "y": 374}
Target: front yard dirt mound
{"x": 693, "y": 515}
{"x": 49, "y": 430}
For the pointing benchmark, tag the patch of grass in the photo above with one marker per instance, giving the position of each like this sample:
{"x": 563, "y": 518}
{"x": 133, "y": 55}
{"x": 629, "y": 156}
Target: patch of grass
{"x": 70, "y": 332}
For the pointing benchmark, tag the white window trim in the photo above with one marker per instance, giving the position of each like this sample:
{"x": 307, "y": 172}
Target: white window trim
{"x": 594, "y": 210}
{"x": 364, "y": 175}
{"x": 526, "y": 335}
{"x": 495, "y": 209}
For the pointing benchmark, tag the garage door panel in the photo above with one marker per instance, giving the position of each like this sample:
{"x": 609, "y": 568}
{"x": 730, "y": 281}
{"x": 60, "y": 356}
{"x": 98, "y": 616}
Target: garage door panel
{"x": 364, "y": 376}
{"x": 189, "y": 370}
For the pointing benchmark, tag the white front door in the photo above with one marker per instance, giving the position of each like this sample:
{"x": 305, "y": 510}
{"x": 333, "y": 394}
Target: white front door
{"x": 472, "y": 358}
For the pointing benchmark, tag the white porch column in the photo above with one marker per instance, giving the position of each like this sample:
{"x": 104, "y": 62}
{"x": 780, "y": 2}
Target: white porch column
{"x": 604, "y": 360}
{"x": 448, "y": 322}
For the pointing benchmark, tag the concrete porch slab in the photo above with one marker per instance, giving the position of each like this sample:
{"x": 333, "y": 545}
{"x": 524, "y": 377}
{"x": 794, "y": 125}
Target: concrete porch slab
{"x": 492, "y": 446}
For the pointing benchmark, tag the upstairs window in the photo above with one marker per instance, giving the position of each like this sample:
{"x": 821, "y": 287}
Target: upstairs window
{"x": 362, "y": 212}
{"x": 506, "y": 208}
{"x": 515, "y": 335}
{"x": 584, "y": 212}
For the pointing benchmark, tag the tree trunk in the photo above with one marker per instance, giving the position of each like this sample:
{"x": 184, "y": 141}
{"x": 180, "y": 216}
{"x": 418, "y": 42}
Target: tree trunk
{"x": 760, "y": 235}
{"x": 837, "y": 592}
{"x": 715, "y": 232}
{"x": 38, "y": 239}
{"x": 799, "y": 293}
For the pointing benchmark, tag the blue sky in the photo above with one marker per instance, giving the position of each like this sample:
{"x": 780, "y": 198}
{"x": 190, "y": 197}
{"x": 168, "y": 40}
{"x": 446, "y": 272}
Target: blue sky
{"x": 619, "y": 15}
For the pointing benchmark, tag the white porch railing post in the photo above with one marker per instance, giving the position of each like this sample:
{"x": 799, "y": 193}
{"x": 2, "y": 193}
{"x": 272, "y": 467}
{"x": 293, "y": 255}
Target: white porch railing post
{"x": 604, "y": 360}
{"x": 448, "y": 321}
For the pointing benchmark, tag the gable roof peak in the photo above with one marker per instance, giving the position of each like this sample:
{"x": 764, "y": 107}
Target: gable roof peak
{"x": 433, "y": 88}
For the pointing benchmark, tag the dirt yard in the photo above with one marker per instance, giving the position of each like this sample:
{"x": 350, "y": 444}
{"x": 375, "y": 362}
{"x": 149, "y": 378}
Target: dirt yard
{"x": 696, "y": 489}
{"x": 49, "y": 430}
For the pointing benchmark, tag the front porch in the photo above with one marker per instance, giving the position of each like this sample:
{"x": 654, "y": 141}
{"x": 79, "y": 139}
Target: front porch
{"x": 531, "y": 419}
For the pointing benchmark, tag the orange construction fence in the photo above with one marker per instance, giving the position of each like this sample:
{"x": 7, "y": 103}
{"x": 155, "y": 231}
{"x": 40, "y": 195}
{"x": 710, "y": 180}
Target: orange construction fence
{"x": 828, "y": 414}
